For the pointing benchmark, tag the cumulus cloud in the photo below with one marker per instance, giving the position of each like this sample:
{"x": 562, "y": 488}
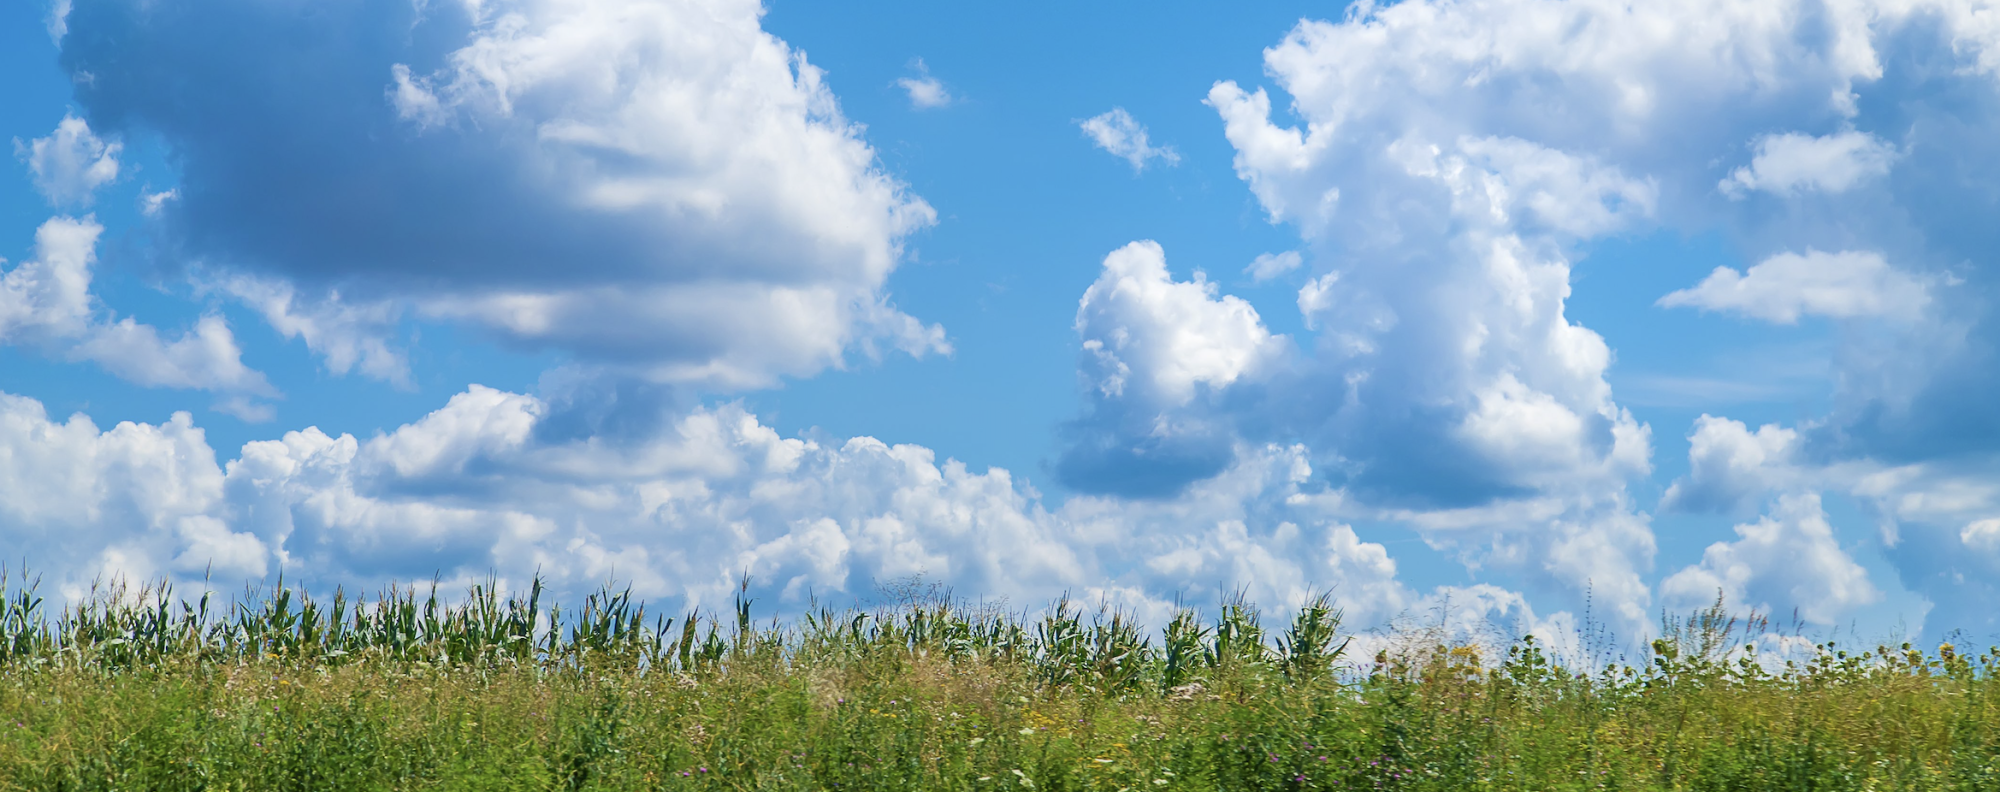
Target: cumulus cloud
{"x": 1165, "y": 337}
{"x": 1446, "y": 160}
{"x": 46, "y": 303}
{"x": 714, "y": 220}
{"x": 1729, "y": 465}
{"x": 1152, "y": 347}
{"x": 1125, "y": 138}
{"x": 663, "y": 189}
{"x": 1933, "y": 520}
{"x": 1792, "y": 163}
{"x": 79, "y": 499}
{"x": 71, "y": 163}
{"x": 1786, "y": 561}
{"x": 678, "y": 512}
{"x": 1846, "y": 285}
{"x": 925, "y": 92}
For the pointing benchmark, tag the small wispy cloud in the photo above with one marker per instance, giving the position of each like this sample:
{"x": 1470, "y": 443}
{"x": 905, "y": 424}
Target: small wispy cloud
{"x": 926, "y": 93}
{"x": 1271, "y": 265}
{"x": 1118, "y": 133}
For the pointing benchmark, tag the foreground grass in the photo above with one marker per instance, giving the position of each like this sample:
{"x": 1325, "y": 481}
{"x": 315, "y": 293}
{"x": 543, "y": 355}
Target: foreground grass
{"x": 406, "y": 693}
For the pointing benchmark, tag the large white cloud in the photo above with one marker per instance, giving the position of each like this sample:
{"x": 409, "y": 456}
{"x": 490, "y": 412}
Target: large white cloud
{"x": 477, "y": 487}
{"x": 1465, "y": 392}
{"x": 1447, "y": 159}
{"x": 1159, "y": 364}
{"x": 659, "y": 188}
{"x": 668, "y": 191}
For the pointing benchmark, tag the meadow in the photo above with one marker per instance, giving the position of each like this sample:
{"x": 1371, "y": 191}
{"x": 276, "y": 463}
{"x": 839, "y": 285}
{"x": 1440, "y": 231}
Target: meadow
{"x": 279, "y": 690}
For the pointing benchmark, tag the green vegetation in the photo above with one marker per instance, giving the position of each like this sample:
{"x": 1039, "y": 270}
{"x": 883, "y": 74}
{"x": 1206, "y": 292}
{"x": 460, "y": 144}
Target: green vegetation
{"x": 134, "y": 690}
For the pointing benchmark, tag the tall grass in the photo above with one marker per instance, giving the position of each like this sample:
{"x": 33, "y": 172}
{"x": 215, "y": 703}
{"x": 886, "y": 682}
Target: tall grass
{"x": 136, "y": 689}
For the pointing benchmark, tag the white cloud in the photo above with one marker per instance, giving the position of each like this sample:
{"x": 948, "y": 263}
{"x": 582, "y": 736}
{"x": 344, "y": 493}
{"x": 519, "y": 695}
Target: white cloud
{"x": 74, "y": 498}
{"x": 1174, "y": 369}
{"x": 46, "y": 303}
{"x": 345, "y": 335}
{"x": 731, "y": 141}
{"x": 1846, "y": 285}
{"x": 1448, "y": 160}
{"x": 1983, "y": 535}
{"x": 151, "y": 204}
{"x": 58, "y": 20}
{"x": 926, "y": 93}
{"x": 50, "y": 294}
{"x": 71, "y": 163}
{"x": 1788, "y": 561}
{"x": 1791, "y": 163}
{"x": 660, "y": 189}
{"x": 678, "y": 512}
{"x": 1159, "y": 338}
{"x": 1317, "y": 296}
{"x": 1271, "y": 265}
{"x": 206, "y": 357}
{"x": 1513, "y": 183}
{"x": 1728, "y": 465}
{"x": 1116, "y": 132}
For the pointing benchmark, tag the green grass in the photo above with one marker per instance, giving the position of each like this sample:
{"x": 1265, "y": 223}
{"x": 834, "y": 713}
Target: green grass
{"x": 137, "y": 690}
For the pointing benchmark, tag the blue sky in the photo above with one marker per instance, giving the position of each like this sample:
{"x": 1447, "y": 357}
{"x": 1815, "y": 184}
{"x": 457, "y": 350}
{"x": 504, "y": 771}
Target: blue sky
{"x": 1521, "y": 311}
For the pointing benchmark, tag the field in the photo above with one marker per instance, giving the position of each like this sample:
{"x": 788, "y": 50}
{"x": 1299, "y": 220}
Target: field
{"x": 137, "y": 690}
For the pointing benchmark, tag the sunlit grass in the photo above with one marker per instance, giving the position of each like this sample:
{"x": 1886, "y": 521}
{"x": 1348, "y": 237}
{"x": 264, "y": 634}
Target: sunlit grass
{"x": 138, "y": 690}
